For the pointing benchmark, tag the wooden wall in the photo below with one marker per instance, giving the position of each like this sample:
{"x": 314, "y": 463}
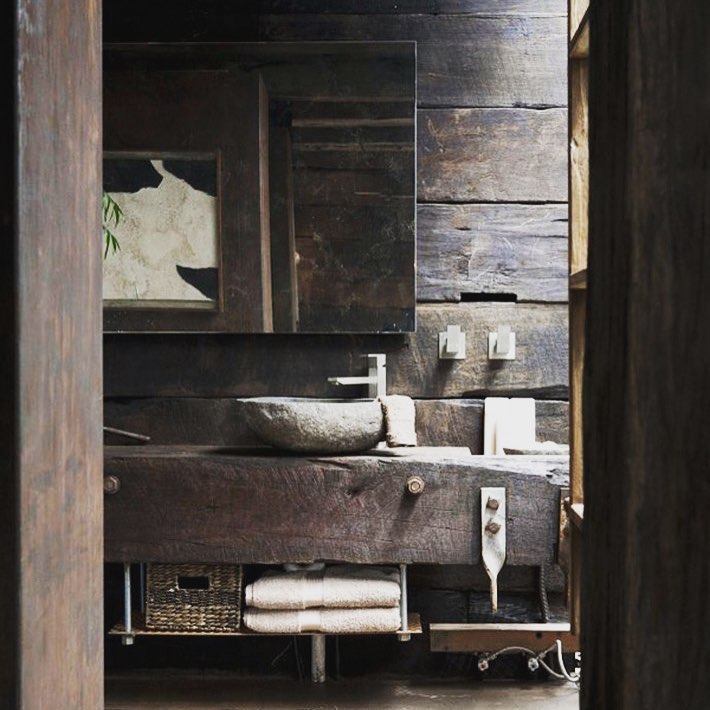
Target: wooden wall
{"x": 492, "y": 223}
{"x": 492, "y": 218}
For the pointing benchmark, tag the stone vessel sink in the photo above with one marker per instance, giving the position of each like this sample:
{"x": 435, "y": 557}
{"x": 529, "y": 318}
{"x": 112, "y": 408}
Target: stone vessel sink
{"x": 324, "y": 426}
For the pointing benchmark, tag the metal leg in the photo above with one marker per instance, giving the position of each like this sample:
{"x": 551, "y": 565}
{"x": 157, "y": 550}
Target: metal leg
{"x": 141, "y": 580}
{"x": 127, "y": 620}
{"x": 318, "y": 658}
{"x": 403, "y": 606}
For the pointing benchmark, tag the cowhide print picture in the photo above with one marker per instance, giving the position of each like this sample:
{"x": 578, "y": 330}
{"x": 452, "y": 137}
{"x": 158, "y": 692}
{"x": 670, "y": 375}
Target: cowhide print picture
{"x": 167, "y": 231}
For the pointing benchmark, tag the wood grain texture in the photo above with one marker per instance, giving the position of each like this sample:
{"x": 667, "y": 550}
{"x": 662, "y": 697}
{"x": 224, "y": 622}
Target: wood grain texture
{"x": 218, "y": 422}
{"x": 211, "y": 506}
{"x": 491, "y": 155}
{"x": 246, "y": 366}
{"x": 283, "y": 236}
{"x": 645, "y": 598}
{"x": 515, "y": 579}
{"x": 51, "y": 553}
{"x": 579, "y": 164}
{"x": 462, "y": 59}
{"x": 518, "y": 249}
{"x": 485, "y": 8}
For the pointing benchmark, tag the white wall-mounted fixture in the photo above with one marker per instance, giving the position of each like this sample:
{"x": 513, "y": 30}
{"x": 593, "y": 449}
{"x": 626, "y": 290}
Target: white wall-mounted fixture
{"x": 452, "y": 343}
{"x": 493, "y": 542}
{"x": 501, "y": 344}
{"x": 376, "y": 379}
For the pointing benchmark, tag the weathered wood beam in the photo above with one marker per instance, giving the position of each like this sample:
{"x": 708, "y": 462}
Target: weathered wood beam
{"x": 492, "y": 155}
{"x": 462, "y": 59}
{"x": 490, "y": 249}
{"x": 243, "y": 365}
{"x": 189, "y": 505}
{"x": 51, "y": 595}
{"x": 217, "y": 422}
{"x": 645, "y": 601}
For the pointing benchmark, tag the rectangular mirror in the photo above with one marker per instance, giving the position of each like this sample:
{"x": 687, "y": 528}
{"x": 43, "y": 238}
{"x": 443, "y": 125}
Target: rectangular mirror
{"x": 262, "y": 187}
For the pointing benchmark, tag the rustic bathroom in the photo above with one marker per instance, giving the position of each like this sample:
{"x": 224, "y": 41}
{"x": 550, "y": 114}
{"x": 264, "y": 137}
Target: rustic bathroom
{"x": 329, "y": 362}
{"x": 336, "y": 361}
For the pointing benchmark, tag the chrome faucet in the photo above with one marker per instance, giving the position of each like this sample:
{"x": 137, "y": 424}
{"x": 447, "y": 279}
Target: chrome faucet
{"x": 376, "y": 379}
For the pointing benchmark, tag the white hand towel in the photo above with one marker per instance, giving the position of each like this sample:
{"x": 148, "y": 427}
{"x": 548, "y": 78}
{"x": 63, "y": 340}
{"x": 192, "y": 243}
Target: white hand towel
{"x": 339, "y": 586}
{"x": 508, "y": 423}
{"x": 400, "y": 419}
{"x": 330, "y": 621}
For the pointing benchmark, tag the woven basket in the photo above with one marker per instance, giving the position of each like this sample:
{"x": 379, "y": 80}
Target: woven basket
{"x": 193, "y": 597}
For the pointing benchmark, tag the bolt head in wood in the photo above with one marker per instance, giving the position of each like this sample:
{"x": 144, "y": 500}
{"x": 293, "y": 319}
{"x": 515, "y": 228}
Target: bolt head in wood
{"x": 492, "y": 527}
{"x": 112, "y": 485}
{"x": 493, "y": 503}
{"x": 415, "y": 485}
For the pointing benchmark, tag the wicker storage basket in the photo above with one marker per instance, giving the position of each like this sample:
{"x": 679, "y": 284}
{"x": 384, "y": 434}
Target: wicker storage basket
{"x": 193, "y": 597}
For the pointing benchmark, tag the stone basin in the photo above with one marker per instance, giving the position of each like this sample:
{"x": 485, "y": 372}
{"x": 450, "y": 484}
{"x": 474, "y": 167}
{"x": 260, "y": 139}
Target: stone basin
{"x": 323, "y": 426}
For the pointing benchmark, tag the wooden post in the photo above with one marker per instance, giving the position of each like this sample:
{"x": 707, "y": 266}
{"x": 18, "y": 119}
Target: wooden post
{"x": 51, "y": 655}
{"x": 645, "y": 596}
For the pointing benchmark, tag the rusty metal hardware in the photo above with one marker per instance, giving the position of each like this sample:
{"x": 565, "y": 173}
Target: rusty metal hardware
{"x": 112, "y": 485}
{"x": 415, "y": 485}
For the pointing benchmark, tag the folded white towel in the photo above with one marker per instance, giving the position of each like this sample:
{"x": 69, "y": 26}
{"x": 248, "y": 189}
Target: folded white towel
{"x": 400, "y": 416}
{"x": 508, "y": 423}
{"x": 339, "y": 586}
{"x": 329, "y": 621}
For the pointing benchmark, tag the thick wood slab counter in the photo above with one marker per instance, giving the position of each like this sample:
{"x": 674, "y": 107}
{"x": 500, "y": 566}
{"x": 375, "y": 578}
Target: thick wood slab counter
{"x": 216, "y": 505}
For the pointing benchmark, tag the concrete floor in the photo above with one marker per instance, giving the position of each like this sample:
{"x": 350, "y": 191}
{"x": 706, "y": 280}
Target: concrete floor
{"x": 218, "y": 692}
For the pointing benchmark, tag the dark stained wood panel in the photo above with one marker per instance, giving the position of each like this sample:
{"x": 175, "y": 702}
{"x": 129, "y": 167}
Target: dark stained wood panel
{"x": 492, "y": 155}
{"x": 645, "y": 600}
{"x": 462, "y": 60}
{"x": 167, "y": 20}
{"x": 211, "y": 506}
{"x": 514, "y": 249}
{"x": 218, "y": 421}
{"x": 299, "y": 365}
{"x": 51, "y": 615}
{"x": 486, "y": 8}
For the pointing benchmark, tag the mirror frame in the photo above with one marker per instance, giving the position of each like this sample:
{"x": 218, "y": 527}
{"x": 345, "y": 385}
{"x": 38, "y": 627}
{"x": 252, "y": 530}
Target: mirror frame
{"x": 220, "y": 84}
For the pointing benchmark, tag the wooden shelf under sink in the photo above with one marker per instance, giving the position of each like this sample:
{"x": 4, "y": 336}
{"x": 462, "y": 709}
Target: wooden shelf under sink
{"x": 414, "y": 626}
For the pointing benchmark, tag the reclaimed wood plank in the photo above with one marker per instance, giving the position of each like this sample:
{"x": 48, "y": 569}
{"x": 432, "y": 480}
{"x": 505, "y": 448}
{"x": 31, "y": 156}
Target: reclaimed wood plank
{"x": 218, "y": 421}
{"x": 514, "y": 579}
{"x": 252, "y": 365}
{"x": 462, "y": 60}
{"x": 325, "y": 71}
{"x": 492, "y": 155}
{"x": 51, "y": 614}
{"x": 185, "y": 505}
{"x": 579, "y": 165}
{"x": 470, "y": 638}
{"x": 518, "y": 249}
{"x": 484, "y": 8}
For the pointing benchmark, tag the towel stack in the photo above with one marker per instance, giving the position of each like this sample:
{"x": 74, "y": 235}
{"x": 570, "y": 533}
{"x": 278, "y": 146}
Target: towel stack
{"x": 337, "y": 599}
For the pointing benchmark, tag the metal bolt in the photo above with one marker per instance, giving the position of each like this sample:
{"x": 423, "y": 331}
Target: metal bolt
{"x": 415, "y": 485}
{"x": 492, "y": 527}
{"x": 112, "y": 485}
{"x": 493, "y": 504}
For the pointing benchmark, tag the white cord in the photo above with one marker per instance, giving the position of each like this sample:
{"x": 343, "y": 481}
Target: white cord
{"x": 563, "y": 675}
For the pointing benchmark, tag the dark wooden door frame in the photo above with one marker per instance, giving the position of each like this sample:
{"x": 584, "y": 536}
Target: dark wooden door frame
{"x": 51, "y": 507}
{"x": 645, "y": 599}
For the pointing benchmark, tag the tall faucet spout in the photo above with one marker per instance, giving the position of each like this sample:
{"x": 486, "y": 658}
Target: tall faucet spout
{"x": 376, "y": 379}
